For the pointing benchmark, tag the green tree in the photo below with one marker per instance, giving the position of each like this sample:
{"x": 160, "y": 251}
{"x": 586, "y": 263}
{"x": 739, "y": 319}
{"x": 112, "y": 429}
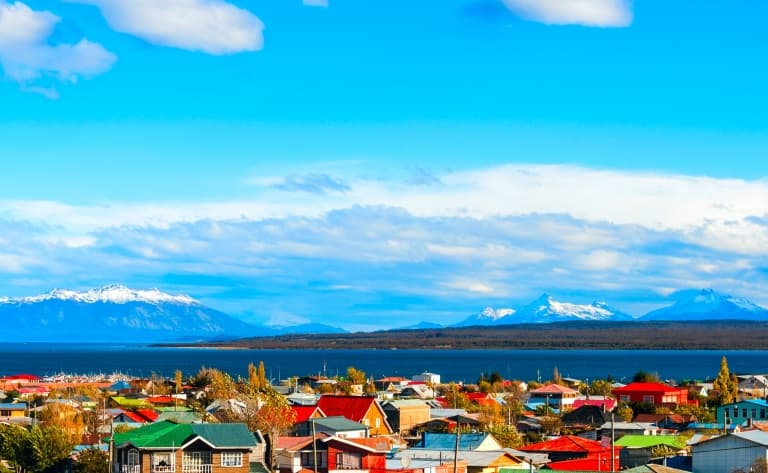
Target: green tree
{"x": 506, "y": 435}
{"x": 47, "y": 447}
{"x": 92, "y": 460}
{"x": 725, "y": 384}
{"x": 645, "y": 377}
{"x": 625, "y": 412}
{"x": 600, "y": 387}
{"x": 13, "y": 441}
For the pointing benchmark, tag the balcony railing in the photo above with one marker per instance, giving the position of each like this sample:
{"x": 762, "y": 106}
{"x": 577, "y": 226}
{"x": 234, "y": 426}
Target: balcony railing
{"x": 197, "y": 468}
{"x": 163, "y": 468}
{"x": 128, "y": 469}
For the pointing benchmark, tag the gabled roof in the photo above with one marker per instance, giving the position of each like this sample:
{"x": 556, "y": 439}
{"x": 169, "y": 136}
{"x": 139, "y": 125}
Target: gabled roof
{"x": 351, "y": 407}
{"x": 566, "y": 443}
{"x": 168, "y": 435}
{"x": 553, "y": 389}
{"x": 647, "y": 387}
{"x": 13, "y": 406}
{"x": 337, "y": 424}
{"x": 148, "y": 414}
{"x": 373, "y": 445}
{"x": 467, "y": 441}
{"x": 304, "y": 413}
{"x": 609, "y": 404}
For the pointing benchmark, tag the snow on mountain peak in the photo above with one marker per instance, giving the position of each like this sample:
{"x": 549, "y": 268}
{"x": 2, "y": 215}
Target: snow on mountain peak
{"x": 112, "y": 293}
{"x": 546, "y": 307}
{"x": 496, "y": 314}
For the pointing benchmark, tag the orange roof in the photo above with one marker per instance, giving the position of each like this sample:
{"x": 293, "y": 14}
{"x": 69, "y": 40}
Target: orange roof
{"x": 554, "y": 389}
{"x": 352, "y": 407}
{"x": 148, "y": 414}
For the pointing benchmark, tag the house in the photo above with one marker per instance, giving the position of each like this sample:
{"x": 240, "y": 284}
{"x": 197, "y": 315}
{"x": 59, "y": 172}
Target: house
{"x": 575, "y": 453}
{"x": 603, "y": 402}
{"x": 14, "y": 409}
{"x": 480, "y": 441}
{"x": 427, "y": 377}
{"x": 619, "y": 429}
{"x": 305, "y": 413}
{"x": 331, "y": 454}
{"x": 417, "y": 391}
{"x": 391, "y": 383}
{"x": 473, "y": 461}
{"x": 753, "y": 386}
{"x": 733, "y": 452}
{"x": 332, "y": 426}
{"x": 404, "y": 415}
{"x": 586, "y": 417}
{"x": 560, "y": 398}
{"x": 656, "y": 394}
{"x": 363, "y": 409}
{"x": 482, "y": 399}
{"x": 742, "y": 412}
{"x": 166, "y": 447}
{"x": 639, "y": 449}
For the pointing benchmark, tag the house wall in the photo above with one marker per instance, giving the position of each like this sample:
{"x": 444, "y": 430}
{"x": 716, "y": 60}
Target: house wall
{"x": 726, "y": 454}
{"x": 744, "y": 411}
{"x": 146, "y": 461}
{"x": 376, "y": 422}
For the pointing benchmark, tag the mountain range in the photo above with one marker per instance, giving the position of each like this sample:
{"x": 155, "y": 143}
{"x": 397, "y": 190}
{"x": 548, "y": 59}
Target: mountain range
{"x": 689, "y": 305}
{"x": 116, "y": 313}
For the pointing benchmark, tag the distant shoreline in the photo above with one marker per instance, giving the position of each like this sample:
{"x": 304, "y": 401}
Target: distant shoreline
{"x": 661, "y": 335}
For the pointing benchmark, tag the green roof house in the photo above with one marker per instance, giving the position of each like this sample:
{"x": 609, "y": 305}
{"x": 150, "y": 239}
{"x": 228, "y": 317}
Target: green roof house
{"x": 639, "y": 450}
{"x": 168, "y": 447}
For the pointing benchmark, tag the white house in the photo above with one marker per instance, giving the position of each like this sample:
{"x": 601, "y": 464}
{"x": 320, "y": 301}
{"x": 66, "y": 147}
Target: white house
{"x": 427, "y": 377}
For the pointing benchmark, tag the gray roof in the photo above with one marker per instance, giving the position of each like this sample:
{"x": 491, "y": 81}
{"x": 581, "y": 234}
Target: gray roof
{"x": 473, "y": 458}
{"x": 338, "y": 424}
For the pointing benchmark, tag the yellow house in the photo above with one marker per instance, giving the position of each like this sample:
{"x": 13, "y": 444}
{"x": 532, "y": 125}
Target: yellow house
{"x": 16, "y": 409}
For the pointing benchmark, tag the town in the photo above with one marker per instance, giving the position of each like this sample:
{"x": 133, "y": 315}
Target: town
{"x": 209, "y": 422}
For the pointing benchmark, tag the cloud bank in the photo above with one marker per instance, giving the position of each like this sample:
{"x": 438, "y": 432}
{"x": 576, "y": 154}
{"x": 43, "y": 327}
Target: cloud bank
{"x": 403, "y": 249}
{"x": 211, "y": 26}
{"x": 28, "y": 59}
{"x": 600, "y": 13}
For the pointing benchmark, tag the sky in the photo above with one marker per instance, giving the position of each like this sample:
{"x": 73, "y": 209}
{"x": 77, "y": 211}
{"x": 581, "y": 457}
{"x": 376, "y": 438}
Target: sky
{"x": 379, "y": 164}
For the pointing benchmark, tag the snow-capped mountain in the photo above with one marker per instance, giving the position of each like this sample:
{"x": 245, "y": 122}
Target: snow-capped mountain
{"x": 113, "y": 293}
{"x": 115, "y": 313}
{"x": 545, "y": 309}
{"x": 488, "y": 316}
{"x": 707, "y": 304}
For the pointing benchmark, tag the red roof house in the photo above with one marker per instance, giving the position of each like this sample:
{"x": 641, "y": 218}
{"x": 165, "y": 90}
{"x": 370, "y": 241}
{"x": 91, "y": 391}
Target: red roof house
{"x": 304, "y": 413}
{"x": 657, "y": 394}
{"x": 363, "y": 409}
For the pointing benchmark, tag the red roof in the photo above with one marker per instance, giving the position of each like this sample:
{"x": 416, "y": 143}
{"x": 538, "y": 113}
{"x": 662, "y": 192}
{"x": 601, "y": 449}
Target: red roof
{"x": 352, "y": 407}
{"x": 592, "y": 463}
{"x": 135, "y": 417}
{"x": 304, "y": 413}
{"x": 566, "y": 443}
{"x": 647, "y": 387}
{"x": 22, "y": 377}
{"x": 147, "y": 414}
{"x": 608, "y": 403}
{"x": 161, "y": 399}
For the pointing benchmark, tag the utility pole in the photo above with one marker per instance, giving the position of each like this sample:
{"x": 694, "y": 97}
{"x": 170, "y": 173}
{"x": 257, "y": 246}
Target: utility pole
{"x": 613, "y": 448}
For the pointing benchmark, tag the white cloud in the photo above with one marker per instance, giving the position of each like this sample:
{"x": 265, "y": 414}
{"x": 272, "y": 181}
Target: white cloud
{"x": 601, "y": 13}
{"x": 315, "y": 3}
{"x": 26, "y": 57}
{"x": 210, "y": 26}
{"x": 468, "y": 285}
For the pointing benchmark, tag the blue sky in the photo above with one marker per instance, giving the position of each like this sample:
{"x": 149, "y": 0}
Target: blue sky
{"x": 374, "y": 164}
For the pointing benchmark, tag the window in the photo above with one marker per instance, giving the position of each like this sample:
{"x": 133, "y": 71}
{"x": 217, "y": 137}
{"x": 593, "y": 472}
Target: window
{"x": 754, "y": 413}
{"x": 231, "y": 458}
{"x": 648, "y": 399}
{"x": 624, "y": 398}
{"x": 133, "y": 457}
{"x": 196, "y": 461}
{"x": 162, "y": 462}
{"x": 378, "y": 422}
{"x": 744, "y": 412}
{"x": 762, "y": 413}
{"x": 308, "y": 459}
{"x": 349, "y": 461}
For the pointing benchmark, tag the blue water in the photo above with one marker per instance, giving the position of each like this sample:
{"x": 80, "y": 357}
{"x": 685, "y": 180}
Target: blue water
{"x": 452, "y": 365}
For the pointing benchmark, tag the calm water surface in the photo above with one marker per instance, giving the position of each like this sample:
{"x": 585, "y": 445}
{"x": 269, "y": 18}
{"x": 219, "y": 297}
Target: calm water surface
{"x": 456, "y": 365}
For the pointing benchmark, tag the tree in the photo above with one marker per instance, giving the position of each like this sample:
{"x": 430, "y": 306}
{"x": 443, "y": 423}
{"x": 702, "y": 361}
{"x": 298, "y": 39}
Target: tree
{"x": 600, "y": 387}
{"x": 725, "y": 384}
{"x": 92, "y": 460}
{"x": 556, "y": 377}
{"x": 355, "y": 376}
{"x": 68, "y": 418}
{"x": 456, "y": 399}
{"x": 178, "y": 380}
{"x": 506, "y": 435}
{"x": 626, "y": 413}
{"x": 13, "y": 440}
{"x": 46, "y": 447}
{"x": 275, "y": 417}
{"x": 645, "y": 377}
